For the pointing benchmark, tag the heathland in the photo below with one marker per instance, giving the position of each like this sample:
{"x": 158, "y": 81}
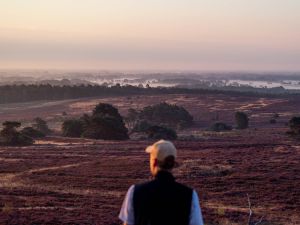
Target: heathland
{"x": 61, "y": 180}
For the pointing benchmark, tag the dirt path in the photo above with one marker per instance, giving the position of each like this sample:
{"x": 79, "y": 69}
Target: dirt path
{"x": 15, "y": 180}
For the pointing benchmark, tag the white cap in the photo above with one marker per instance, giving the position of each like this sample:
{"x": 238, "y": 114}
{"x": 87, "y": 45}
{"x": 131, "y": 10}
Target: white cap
{"x": 162, "y": 149}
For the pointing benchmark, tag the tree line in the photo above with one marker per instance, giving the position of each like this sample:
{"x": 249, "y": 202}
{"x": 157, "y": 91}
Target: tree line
{"x": 26, "y": 93}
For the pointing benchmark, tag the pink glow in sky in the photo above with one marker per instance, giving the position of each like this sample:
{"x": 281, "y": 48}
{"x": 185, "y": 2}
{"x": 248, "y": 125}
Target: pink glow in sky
{"x": 150, "y": 34}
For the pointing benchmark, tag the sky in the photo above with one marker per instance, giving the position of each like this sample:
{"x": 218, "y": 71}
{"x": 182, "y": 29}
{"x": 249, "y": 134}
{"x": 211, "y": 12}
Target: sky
{"x": 197, "y": 35}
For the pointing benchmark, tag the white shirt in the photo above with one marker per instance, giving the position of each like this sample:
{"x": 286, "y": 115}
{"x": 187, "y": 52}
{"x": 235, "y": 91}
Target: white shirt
{"x": 127, "y": 213}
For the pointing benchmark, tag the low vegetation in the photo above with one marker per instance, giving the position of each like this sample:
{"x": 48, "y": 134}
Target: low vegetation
{"x": 208, "y": 156}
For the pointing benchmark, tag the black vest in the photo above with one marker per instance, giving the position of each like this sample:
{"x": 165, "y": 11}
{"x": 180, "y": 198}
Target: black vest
{"x": 162, "y": 201}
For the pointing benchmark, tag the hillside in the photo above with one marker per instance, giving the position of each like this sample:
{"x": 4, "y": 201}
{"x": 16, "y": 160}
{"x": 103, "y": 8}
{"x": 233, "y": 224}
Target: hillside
{"x": 79, "y": 181}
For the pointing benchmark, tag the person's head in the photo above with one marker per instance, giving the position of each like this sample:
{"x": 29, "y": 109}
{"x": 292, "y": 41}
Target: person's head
{"x": 162, "y": 156}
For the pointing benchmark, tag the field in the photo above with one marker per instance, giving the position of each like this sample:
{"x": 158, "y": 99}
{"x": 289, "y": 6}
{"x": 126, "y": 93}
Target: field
{"x": 79, "y": 181}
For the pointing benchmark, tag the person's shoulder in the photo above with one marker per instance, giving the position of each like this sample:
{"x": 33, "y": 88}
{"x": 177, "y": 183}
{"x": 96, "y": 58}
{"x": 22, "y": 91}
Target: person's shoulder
{"x": 146, "y": 187}
{"x": 183, "y": 186}
{"x": 143, "y": 184}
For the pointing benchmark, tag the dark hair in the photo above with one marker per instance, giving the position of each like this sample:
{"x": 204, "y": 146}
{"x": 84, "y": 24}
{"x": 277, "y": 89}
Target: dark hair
{"x": 168, "y": 163}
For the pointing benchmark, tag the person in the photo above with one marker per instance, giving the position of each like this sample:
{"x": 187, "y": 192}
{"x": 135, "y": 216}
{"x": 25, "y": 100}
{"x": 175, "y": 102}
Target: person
{"x": 161, "y": 201}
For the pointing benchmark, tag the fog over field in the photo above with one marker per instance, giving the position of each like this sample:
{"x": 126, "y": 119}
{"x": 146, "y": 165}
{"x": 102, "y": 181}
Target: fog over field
{"x": 287, "y": 80}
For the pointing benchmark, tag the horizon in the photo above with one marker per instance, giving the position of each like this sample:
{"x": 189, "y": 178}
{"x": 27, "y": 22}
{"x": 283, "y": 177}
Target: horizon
{"x": 211, "y": 35}
{"x": 110, "y": 70}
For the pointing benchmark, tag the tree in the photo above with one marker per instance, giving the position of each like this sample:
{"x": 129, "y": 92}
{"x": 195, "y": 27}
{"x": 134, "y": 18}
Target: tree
{"x": 105, "y": 127}
{"x": 242, "y": 120}
{"x": 165, "y": 114}
{"x": 294, "y": 125}
{"x": 141, "y": 126}
{"x": 41, "y": 125}
{"x": 72, "y": 128}
{"x": 103, "y": 109}
{"x": 104, "y": 123}
{"x": 11, "y": 124}
{"x": 132, "y": 118}
{"x": 158, "y": 132}
{"x": 9, "y": 135}
{"x": 31, "y": 132}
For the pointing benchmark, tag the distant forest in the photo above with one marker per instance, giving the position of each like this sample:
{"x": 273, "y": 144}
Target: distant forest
{"x": 26, "y": 93}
